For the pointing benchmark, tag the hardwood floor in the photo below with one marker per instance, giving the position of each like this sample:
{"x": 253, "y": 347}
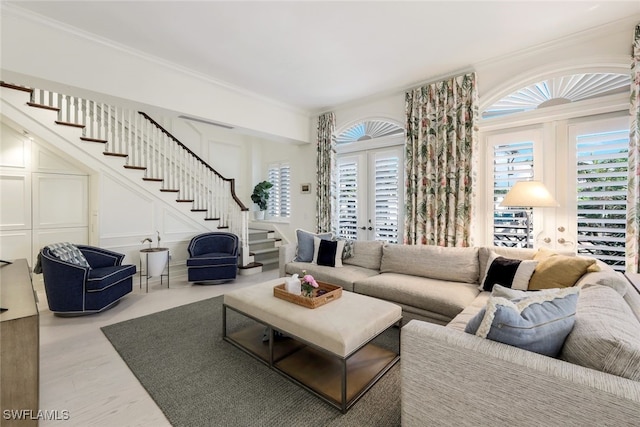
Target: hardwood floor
{"x": 83, "y": 376}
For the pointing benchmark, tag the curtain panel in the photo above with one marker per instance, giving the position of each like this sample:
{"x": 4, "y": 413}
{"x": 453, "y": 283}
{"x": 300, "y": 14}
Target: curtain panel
{"x": 440, "y": 152}
{"x": 325, "y": 167}
{"x": 633, "y": 196}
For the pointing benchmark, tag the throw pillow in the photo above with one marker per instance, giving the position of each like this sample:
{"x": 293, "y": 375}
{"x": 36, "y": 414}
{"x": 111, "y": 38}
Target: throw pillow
{"x": 510, "y": 273}
{"x": 605, "y": 336}
{"x": 328, "y": 252}
{"x": 305, "y": 244}
{"x": 68, "y": 252}
{"x": 349, "y": 249}
{"x": 539, "y": 323}
{"x": 558, "y": 271}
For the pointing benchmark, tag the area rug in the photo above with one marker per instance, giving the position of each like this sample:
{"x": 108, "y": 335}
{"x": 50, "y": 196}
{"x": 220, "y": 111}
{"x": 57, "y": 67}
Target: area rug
{"x": 198, "y": 379}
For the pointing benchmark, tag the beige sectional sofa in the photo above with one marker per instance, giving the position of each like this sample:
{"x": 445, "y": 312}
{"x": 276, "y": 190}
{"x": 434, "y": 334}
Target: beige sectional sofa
{"x": 431, "y": 283}
{"x": 454, "y": 378}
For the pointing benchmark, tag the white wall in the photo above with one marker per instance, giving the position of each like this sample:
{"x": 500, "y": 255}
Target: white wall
{"x": 35, "y": 51}
{"x": 45, "y": 198}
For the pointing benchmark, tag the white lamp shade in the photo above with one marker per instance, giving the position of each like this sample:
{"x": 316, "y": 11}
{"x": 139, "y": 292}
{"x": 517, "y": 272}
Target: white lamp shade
{"x": 529, "y": 194}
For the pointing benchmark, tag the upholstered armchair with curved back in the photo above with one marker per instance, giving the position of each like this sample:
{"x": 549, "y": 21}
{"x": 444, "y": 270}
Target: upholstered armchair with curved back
{"x": 81, "y": 279}
{"x": 213, "y": 257}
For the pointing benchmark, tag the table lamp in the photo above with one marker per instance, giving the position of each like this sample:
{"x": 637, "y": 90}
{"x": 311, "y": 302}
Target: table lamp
{"x": 529, "y": 194}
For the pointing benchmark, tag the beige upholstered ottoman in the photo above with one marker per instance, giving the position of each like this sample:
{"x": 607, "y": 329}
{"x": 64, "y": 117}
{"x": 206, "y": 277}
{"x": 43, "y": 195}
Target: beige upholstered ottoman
{"x": 335, "y": 338}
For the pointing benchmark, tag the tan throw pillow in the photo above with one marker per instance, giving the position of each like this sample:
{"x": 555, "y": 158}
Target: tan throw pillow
{"x": 558, "y": 271}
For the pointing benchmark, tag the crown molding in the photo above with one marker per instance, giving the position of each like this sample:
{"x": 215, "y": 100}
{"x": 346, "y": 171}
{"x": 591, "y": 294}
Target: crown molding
{"x": 17, "y": 11}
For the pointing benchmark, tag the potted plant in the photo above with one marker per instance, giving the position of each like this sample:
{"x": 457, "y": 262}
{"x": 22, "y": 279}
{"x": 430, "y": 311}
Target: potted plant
{"x": 260, "y": 197}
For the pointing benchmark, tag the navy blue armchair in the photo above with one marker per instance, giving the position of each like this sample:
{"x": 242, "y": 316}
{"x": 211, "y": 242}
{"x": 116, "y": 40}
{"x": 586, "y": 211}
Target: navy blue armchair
{"x": 75, "y": 289}
{"x": 213, "y": 257}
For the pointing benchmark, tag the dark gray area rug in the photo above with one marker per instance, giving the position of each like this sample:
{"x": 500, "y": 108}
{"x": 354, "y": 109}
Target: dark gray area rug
{"x": 197, "y": 379}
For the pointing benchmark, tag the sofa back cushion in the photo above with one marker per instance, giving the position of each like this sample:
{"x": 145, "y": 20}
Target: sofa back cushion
{"x": 366, "y": 254}
{"x": 606, "y": 335}
{"x": 436, "y": 262}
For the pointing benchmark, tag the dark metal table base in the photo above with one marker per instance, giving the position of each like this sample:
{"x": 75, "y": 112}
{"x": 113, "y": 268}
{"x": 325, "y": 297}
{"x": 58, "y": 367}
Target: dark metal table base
{"x": 340, "y": 381}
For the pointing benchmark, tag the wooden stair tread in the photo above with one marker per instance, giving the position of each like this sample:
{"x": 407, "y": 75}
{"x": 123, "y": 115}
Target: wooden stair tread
{"x": 75, "y": 125}
{"x": 16, "y": 87}
{"x": 140, "y": 168}
{"x": 45, "y": 107}
{"x": 107, "y": 153}
{"x": 250, "y": 265}
{"x": 212, "y": 219}
{"x": 169, "y": 190}
{"x": 153, "y": 179}
{"x": 84, "y": 138}
{"x": 184, "y": 200}
{"x": 198, "y": 210}
{"x": 223, "y": 227}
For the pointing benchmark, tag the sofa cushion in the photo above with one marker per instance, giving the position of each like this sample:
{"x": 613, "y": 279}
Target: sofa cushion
{"x": 436, "y": 262}
{"x": 343, "y": 277}
{"x": 366, "y": 254}
{"x": 105, "y": 277}
{"x": 558, "y": 271}
{"x": 508, "y": 272}
{"x": 606, "y": 336}
{"x": 437, "y": 296}
{"x": 460, "y": 321}
{"x": 539, "y": 322}
{"x": 305, "y": 244}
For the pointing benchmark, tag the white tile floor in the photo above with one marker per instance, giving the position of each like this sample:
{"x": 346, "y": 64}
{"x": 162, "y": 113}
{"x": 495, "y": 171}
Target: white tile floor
{"x": 80, "y": 372}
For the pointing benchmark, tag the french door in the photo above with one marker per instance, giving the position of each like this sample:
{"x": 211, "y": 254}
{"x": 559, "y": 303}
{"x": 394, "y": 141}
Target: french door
{"x": 370, "y": 194}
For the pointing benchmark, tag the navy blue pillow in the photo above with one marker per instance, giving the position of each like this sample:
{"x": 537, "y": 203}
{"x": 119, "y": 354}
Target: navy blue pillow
{"x": 327, "y": 253}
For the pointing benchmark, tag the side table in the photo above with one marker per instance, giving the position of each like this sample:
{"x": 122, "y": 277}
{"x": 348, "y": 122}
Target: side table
{"x": 156, "y": 260}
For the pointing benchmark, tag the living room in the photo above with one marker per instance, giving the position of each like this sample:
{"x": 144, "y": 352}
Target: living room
{"x": 270, "y": 132}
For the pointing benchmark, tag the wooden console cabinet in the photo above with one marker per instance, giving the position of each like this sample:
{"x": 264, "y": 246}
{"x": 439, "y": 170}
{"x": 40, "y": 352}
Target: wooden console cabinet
{"x": 19, "y": 346}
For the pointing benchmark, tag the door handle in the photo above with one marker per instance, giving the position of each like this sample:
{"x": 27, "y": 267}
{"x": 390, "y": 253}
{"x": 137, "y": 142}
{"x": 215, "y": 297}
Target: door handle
{"x": 363, "y": 228}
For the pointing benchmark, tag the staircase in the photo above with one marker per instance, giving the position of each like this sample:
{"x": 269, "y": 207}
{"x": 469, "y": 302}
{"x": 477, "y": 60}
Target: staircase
{"x": 146, "y": 147}
{"x": 263, "y": 246}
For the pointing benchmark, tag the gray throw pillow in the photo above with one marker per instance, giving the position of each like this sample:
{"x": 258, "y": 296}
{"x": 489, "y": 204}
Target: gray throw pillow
{"x": 305, "y": 244}
{"x": 539, "y": 322}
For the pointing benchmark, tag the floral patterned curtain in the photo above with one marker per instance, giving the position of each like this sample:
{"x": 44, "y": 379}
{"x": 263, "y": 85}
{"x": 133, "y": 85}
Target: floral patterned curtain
{"x": 633, "y": 196}
{"x": 325, "y": 166}
{"x": 440, "y": 162}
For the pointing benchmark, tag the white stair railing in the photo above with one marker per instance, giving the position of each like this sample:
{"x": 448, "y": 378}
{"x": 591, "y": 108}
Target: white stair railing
{"x": 147, "y": 145}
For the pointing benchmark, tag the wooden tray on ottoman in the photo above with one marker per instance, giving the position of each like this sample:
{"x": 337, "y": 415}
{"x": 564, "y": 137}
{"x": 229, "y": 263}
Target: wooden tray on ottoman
{"x": 333, "y": 293}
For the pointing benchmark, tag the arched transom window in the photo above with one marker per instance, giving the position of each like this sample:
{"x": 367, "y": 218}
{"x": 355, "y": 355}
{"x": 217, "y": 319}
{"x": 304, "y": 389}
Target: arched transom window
{"x": 370, "y": 129}
{"x": 559, "y": 90}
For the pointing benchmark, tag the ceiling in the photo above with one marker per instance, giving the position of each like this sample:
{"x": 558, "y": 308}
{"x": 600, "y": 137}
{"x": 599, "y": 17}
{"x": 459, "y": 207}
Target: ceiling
{"x": 318, "y": 55}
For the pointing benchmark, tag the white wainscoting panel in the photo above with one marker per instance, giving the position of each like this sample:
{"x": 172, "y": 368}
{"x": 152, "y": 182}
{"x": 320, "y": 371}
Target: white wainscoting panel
{"x": 14, "y": 148}
{"x": 60, "y": 201}
{"x": 44, "y": 237}
{"x": 15, "y": 209}
{"x": 46, "y": 161}
{"x": 124, "y": 211}
{"x": 16, "y": 244}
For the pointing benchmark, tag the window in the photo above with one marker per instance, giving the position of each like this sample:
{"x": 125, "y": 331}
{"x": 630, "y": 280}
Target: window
{"x": 348, "y": 198}
{"x": 602, "y": 155}
{"x": 512, "y": 161}
{"x": 279, "y": 203}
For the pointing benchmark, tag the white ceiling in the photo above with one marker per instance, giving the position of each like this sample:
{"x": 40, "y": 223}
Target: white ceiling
{"x": 317, "y": 55}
